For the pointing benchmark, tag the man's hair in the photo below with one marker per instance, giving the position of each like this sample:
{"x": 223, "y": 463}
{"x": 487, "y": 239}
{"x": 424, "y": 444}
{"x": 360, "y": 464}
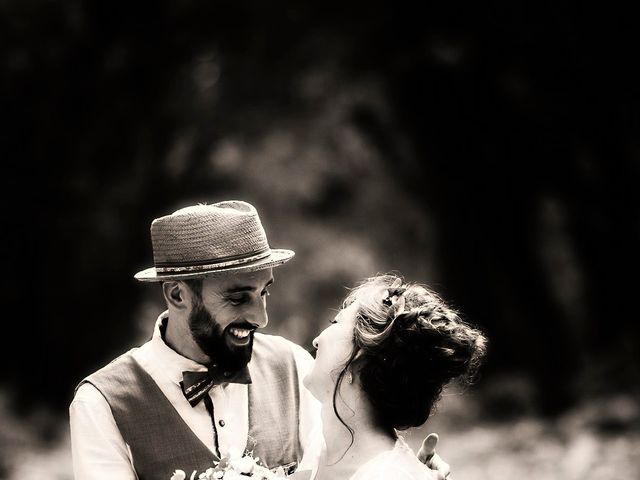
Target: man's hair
{"x": 195, "y": 285}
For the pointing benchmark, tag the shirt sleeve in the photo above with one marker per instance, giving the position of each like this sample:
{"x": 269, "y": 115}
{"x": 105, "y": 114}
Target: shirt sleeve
{"x": 310, "y": 429}
{"x": 98, "y": 450}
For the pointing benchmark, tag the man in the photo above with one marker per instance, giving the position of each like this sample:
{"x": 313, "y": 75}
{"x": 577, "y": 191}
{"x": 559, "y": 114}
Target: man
{"x": 205, "y": 386}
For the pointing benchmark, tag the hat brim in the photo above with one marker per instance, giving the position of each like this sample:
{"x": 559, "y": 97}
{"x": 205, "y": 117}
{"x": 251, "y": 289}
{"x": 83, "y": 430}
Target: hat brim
{"x": 276, "y": 258}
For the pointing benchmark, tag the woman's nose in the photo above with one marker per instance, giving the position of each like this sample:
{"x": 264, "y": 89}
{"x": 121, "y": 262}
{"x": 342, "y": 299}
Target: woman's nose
{"x": 315, "y": 343}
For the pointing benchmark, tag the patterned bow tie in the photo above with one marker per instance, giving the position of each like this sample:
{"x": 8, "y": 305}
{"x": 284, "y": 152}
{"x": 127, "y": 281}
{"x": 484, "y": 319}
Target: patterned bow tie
{"x": 196, "y": 384}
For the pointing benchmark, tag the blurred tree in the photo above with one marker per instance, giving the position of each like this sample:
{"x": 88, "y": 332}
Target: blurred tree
{"x": 491, "y": 150}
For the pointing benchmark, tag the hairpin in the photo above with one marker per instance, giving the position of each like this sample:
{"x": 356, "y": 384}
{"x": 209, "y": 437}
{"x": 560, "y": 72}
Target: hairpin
{"x": 394, "y": 297}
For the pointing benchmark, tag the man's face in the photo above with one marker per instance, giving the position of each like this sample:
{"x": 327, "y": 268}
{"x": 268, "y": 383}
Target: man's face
{"x": 223, "y": 319}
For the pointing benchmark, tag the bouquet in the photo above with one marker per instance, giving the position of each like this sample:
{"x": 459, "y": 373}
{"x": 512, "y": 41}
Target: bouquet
{"x": 234, "y": 469}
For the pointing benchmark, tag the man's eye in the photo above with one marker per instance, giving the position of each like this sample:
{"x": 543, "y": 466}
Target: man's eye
{"x": 265, "y": 293}
{"x": 237, "y": 300}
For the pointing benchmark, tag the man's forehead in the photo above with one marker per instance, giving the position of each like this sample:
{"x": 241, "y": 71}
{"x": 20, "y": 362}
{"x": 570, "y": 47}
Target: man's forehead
{"x": 232, "y": 280}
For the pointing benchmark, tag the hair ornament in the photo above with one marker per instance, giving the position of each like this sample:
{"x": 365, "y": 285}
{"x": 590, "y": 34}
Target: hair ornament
{"x": 394, "y": 298}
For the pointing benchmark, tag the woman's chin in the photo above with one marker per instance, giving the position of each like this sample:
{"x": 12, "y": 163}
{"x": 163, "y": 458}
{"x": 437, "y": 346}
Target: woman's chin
{"x": 317, "y": 392}
{"x": 308, "y": 383}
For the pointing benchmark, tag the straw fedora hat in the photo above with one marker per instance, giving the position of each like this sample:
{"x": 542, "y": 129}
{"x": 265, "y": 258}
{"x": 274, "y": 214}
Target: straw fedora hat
{"x": 207, "y": 239}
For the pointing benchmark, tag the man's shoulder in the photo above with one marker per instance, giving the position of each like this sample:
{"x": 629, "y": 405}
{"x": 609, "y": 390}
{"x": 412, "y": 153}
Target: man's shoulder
{"x": 275, "y": 340}
{"x": 116, "y": 363}
{"x": 136, "y": 353}
{"x": 278, "y": 343}
{"x": 86, "y": 393}
{"x": 115, "y": 367}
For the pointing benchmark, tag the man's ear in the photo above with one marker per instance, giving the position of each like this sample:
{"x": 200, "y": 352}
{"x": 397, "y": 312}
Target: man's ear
{"x": 175, "y": 294}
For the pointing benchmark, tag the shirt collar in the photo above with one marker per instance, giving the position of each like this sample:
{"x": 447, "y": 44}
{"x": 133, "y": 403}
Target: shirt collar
{"x": 172, "y": 363}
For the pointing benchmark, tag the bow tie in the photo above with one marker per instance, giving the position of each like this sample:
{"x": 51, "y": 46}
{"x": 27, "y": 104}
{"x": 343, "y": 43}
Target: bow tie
{"x": 196, "y": 384}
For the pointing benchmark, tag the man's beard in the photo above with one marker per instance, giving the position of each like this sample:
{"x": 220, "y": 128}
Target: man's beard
{"x": 211, "y": 339}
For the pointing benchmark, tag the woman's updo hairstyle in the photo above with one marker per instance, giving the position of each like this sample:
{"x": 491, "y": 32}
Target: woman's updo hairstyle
{"x": 408, "y": 345}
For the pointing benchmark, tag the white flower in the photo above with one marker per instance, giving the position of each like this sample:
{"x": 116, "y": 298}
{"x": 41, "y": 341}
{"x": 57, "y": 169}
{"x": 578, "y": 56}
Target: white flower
{"x": 232, "y": 475}
{"x": 178, "y": 475}
{"x": 259, "y": 472}
{"x": 243, "y": 465}
{"x": 262, "y": 473}
{"x": 207, "y": 474}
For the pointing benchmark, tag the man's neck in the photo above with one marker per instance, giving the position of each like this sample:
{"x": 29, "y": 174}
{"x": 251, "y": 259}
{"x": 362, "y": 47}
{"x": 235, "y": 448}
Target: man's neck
{"x": 174, "y": 335}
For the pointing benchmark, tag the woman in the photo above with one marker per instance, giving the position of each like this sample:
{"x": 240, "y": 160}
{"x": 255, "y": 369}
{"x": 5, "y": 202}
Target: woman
{"x": 380, "y": 368}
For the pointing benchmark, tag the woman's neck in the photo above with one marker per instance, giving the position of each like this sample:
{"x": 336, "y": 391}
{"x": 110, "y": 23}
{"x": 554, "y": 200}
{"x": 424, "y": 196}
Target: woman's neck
{"x": 342, "y": 457}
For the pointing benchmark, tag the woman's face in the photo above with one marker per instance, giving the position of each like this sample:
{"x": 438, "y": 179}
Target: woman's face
{"x": 334, "y": 346}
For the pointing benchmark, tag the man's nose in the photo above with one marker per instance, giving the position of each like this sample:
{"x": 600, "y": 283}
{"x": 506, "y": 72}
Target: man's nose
{"x": 259, "y": 315}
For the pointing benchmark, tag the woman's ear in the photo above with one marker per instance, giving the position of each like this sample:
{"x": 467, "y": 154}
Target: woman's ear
{"x": 174, "y": 294}
{"x": 356, "y": 359}
{"x": 349, "y": 376}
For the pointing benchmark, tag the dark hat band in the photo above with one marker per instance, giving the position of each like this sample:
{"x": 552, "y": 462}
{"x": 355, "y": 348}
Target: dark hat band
{"x": 213, "y": 264}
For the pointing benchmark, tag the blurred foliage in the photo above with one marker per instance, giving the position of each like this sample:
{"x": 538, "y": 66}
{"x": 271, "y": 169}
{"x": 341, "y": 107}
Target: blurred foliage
{"x": 491, "y": 151}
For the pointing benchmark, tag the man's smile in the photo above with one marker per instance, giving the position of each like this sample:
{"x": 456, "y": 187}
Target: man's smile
{"x": 239, "y": 335}
{"x": 239, "y": 332}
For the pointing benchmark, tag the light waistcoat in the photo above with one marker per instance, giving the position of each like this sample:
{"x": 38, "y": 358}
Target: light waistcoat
{"x": 161, "y": 442}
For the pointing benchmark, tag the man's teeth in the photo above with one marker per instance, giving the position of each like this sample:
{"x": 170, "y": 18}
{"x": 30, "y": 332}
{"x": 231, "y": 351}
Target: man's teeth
{"x": 240, "y": 332}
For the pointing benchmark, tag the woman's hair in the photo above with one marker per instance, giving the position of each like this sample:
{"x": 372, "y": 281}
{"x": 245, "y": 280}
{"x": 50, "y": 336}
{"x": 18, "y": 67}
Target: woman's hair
{"x": 408, "y": 344}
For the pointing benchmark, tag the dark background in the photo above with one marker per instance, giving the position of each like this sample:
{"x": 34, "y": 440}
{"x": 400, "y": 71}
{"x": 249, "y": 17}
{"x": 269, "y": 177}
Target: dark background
{"x": 490, "y": 150}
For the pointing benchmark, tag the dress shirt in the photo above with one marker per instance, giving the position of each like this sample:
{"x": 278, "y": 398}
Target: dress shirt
{"x": 98, "y": 449}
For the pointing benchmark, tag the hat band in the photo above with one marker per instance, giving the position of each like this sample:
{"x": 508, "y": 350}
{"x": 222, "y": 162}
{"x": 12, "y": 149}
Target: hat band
{"x": 215, "y": 264}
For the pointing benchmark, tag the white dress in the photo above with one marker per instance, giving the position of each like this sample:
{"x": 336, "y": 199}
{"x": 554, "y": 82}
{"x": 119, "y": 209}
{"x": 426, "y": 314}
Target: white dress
{"x": 399, "y": 463}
